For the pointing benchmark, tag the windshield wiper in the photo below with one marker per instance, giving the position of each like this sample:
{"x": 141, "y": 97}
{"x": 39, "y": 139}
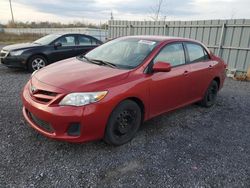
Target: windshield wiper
{"x": 98, "y": 61}
{"x": 89, "y": 60}
{"x": 105, "y": 63}
{"x": 83, "y": 56}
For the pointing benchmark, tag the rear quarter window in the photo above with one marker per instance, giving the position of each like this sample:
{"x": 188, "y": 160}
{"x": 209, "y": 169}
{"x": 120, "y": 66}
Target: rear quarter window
{"x": 196, "y": 53}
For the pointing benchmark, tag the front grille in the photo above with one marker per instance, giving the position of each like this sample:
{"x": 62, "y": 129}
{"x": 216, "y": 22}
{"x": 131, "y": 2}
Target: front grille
{"x": 42, "y": 124}
{"x": 42, "y": 95}
{"x": 49, "y": 93}
{"x": 3, "y": 53}
{"x": 42, "y": 100}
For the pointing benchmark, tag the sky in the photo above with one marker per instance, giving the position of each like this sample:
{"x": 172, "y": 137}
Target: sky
{"x": 96, "y": 11}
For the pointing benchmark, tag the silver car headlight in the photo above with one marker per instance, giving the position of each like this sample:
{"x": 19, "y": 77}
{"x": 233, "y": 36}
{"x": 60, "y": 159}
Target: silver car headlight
{"x": 81, "y": 99}
{"x": 16, "y": 53}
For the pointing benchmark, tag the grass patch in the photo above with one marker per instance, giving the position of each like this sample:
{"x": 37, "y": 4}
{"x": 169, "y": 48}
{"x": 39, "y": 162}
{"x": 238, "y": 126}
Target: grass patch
{"x": 11, "y": 38}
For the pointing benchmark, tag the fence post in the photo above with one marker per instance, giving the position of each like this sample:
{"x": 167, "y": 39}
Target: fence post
{"x": 106, "y": 32}
{"x": 110, "y": 29}
{"x": 221, "y": 38}
{"x": 129, "y": 29}
{"x": 165, "y": 28}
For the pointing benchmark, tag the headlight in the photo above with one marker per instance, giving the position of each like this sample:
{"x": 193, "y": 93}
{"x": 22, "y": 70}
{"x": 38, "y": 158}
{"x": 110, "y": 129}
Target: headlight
{"x": 16, "y": 53}
{"x": 81, "y": 99}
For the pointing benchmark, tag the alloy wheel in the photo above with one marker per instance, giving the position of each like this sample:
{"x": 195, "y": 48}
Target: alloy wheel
{"x": 38, "y": 63}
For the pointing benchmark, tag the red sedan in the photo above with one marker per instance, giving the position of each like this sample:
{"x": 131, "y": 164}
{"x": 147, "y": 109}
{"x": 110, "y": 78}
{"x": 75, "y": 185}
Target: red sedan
{"x": 108, "y": 93}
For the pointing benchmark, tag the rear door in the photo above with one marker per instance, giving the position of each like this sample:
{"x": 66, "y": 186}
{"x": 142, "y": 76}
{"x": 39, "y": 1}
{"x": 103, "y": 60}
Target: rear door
{"x": 168, "y": 90}
{"x": 85, "y": 44}
{"x": 201, "y": 67}
{"x": 67, "y": 49}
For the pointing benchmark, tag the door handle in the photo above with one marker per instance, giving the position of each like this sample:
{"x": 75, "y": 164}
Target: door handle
{"x": 210, "y": 66}
{"x": 185, "y": 73}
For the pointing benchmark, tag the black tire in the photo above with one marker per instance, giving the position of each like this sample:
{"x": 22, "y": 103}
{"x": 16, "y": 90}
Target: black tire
{"x": 33, "y": 59}
{"x": 210, "y": 96}
{"x": 123, "y": 123}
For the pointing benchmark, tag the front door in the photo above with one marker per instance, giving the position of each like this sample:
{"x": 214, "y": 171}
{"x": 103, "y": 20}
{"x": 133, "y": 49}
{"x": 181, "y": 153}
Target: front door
{"x": 67, "y": 49}
{"x": 168, "y": 90}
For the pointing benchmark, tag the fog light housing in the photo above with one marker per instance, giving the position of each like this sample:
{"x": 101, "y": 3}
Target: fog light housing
{"x": 74, "y": 129}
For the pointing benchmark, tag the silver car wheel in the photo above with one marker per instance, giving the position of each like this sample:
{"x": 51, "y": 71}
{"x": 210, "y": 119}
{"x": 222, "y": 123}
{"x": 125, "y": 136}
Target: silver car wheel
{"x": 38, "y": 63}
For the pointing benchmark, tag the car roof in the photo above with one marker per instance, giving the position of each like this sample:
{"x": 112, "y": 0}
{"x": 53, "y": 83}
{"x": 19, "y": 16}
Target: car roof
{"x": 160, "y": 38}
{"x": 61, "y": 34}
{"x": 163, "y": 39}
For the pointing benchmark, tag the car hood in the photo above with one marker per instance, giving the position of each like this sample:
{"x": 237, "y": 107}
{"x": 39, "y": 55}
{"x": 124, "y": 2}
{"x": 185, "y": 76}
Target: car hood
{"x": 74, "y": 75}
{"x": 20, "y": 46}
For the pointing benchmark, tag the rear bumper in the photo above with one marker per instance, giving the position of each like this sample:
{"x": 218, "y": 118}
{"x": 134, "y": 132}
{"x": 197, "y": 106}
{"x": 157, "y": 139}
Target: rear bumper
{"x": 91, "y": 118}
{"x": 14, "y": 62}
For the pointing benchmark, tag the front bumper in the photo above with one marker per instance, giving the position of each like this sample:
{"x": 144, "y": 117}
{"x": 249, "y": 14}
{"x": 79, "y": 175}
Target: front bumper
{"x": 91, "y": 118}
{"x": 14, "y": 61}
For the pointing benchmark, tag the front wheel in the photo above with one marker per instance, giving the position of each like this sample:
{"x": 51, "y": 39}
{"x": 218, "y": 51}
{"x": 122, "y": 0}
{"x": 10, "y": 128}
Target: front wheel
{"x": 123, "y": 123}
{"x": 36, "y": 62}
{"x": 210, "y": 95}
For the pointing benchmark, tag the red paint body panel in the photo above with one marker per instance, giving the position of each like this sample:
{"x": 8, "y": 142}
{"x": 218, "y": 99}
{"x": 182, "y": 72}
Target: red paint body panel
{"x": 159, "y": 92}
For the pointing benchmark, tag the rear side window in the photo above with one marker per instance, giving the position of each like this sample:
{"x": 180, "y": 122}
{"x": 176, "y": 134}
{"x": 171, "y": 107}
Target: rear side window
{"x": 87, "y": 41}
{"x": 196, "y": 53}
{"x": 173, "y": 54}
{"x": 95, "y": 42}
{"x": 84, "y": 40}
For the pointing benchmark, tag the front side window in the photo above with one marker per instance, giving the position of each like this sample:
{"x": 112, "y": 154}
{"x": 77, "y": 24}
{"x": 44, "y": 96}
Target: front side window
{"x": 173, "y": 54}
{"x": 67, "y": 41}
{"x": 125, "y": 53}
{"x": 196, "y": 53}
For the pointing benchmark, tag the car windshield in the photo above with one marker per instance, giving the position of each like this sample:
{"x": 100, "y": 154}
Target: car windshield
{"x": 47, "y": 39}
{"x": 123, "y": 53}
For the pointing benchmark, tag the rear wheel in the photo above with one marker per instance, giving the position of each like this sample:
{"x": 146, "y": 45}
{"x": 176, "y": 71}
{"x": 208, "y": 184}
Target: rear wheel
{"x": 36, "y": 62}
{"x": 123, "y": 123}
{"x": 211, "y": 95}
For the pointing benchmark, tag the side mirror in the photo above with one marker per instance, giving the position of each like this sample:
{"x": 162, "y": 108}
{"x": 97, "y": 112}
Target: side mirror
{"x": 57, "y": 44}
{"x": 162, "y": 67}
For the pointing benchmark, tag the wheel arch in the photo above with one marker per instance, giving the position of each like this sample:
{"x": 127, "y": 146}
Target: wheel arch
{"x": 217, "y": 79}
{"x": 37, "y": 54}
{"x": 139, "y": 102}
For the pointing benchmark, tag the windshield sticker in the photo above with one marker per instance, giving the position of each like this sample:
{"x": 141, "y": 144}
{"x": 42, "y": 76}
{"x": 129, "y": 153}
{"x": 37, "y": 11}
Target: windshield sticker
{"x": 148, "y": 42}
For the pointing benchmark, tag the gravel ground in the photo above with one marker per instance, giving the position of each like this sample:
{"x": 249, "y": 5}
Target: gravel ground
{"x": 191, "y": 147}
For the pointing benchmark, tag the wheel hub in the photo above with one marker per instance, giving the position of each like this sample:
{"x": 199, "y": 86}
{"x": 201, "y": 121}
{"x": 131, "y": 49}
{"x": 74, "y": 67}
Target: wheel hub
{"x": 38, "y": 63}
{"x": 125, "y": 121}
